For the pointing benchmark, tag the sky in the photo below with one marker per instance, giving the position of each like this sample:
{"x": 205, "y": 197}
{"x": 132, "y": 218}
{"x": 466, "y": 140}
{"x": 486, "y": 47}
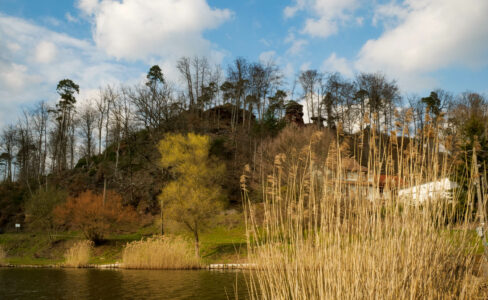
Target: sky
{"x": 422, "y": 44}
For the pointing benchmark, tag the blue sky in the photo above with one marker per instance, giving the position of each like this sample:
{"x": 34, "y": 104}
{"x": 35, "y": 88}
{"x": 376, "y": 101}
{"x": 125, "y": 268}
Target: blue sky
{"x": 423, "y": 44}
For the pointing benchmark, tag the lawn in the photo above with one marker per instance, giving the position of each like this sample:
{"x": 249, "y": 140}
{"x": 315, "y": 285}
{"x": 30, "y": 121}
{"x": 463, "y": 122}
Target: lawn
{"x": 218, "y": 245}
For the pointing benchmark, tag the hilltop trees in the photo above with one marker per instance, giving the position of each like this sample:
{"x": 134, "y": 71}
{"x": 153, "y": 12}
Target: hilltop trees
{"x": 194, "y": 195}
{"x": 382, "y": 98}
{"x": 63, "y": 134}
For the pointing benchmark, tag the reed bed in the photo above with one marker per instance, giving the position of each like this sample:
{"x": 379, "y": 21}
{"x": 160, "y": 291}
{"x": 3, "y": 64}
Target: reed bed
{"x": 78, "y": 255}
{"x": 324, "y": 237}
{"x": 160, "y": 252}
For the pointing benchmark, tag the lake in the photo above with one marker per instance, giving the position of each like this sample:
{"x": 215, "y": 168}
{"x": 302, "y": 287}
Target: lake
{"x": 24, "y": 283}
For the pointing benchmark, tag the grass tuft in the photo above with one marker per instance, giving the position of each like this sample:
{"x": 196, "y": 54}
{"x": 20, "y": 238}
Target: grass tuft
{"x": 78, "y": 255}
{"x": 160, "y": 253}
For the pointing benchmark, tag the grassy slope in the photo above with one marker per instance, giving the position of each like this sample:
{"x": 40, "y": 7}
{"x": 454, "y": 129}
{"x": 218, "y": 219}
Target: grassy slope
{"x": 223, "y": 243}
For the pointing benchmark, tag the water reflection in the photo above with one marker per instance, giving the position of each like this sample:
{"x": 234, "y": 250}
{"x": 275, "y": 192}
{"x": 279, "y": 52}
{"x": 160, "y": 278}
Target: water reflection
{"x": 120, "y": 284}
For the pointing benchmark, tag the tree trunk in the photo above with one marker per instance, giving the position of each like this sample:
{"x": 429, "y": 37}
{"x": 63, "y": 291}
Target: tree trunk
{"x": 197, "y": 242}
{"x": 104, "y": 188}
{"x": 161, "y": 216}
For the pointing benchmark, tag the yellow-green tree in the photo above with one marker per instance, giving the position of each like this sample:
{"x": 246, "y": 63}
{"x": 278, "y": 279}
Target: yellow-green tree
{"x": 195, "y": 195}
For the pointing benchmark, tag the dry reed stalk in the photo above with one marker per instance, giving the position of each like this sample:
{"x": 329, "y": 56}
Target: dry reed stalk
{"x": 160, "y": 253}
{"x": 78, "y": 255}
{"x": 325, "y": 238}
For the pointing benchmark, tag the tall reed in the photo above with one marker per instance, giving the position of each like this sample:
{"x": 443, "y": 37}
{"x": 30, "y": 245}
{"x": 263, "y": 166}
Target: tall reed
{"x": 160, "y": 253}
{"x": 78, "y": 255}
{"x": 326, "y": 237}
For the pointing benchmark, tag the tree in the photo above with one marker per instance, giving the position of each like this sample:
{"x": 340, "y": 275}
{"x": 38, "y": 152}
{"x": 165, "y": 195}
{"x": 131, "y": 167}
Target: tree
{"x": 66, "y": 89}
{"x": 88, "y": 119}
{"x": 7, "y": 140}
{"x": 237, "y": 76}
{"x": 40, "y": 118}
{"x": 310, "y": 80}
{"x": 154, "y": 76}
{"x": 194, "y": 196}
{"x": 382, "y": 97}
{"x": 153, "y": 102}
{"x": 338, "y": 95}
{"x": 96, "y": 219}
{"x": 433, "y": 103}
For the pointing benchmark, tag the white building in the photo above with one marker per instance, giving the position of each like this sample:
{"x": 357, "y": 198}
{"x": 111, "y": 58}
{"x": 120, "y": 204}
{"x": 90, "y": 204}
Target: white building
{"x": 419, "y": 194}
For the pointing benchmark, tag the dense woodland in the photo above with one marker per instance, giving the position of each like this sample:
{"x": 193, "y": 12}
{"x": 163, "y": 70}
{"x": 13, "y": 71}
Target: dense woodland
{"x": 109, "y": 144}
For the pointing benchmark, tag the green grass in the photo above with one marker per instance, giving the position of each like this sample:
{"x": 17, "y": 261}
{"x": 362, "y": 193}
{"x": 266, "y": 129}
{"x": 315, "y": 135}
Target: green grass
{"x": 218, "y": 245}
{"x": 224, "y": 245}
{"x": 455, "y": 237}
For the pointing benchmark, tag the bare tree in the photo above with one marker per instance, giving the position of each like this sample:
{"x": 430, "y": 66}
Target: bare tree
{"x": 88, "y": 118}
{"x": 101, "y": 106}
{"x": 184, "y": 66}
{"x": 40, "y": 119}
{"x": 7, "y": 145}
{"x": 154, "y": 104}
{"x": 382, "y": 97}
{"x": 310, "y": 82}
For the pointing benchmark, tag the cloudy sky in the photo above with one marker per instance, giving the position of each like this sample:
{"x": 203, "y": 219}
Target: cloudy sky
{"x": 423, "y": 44}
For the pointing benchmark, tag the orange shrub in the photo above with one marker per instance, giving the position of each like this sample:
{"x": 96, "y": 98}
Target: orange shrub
{"x": 88, "y": 213}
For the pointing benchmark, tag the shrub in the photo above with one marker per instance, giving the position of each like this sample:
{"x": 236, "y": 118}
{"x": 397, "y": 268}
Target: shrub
{"x": 90, "y": 214}
{"x": 160, "y": 252}
{"x": 78, "y": 255}
{"x": 39, "y": 209}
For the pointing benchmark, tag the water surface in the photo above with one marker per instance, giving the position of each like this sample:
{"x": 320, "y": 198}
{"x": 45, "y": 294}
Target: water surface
{"x": 18, "y": 283}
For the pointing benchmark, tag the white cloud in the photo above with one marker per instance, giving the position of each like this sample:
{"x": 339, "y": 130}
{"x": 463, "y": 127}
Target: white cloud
{"x": 140, "y": 29}
{"x": 51, "y": 21}
{"x": 326, "y": 15}
{"x": 338, "y": 64}
{"x": 289, "y": 71}
{"x": 389, "y": 14}
{"x": 88, "y": 6}
{"x": 290, "y": 11}
{"x": 305, "y": 66}
{"x": 33, "y": 59}
{"x": 267, "y": 56}
{"x": 297, "y": 44}
{"x": 430, "y": 35}
{"x": 70, "y": 18}
{"x": 45, "y": 52}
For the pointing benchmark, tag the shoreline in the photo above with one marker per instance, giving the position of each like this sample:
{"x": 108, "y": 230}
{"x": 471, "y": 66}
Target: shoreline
{"x": 120, "y": 266}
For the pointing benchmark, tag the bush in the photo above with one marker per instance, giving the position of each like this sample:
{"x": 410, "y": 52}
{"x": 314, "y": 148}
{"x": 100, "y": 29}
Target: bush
{"x": 90, "y": 214}
{"x": 39, "y": 209}
{"x": 78, "y": 255}
{"x": 160, "y": 253}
